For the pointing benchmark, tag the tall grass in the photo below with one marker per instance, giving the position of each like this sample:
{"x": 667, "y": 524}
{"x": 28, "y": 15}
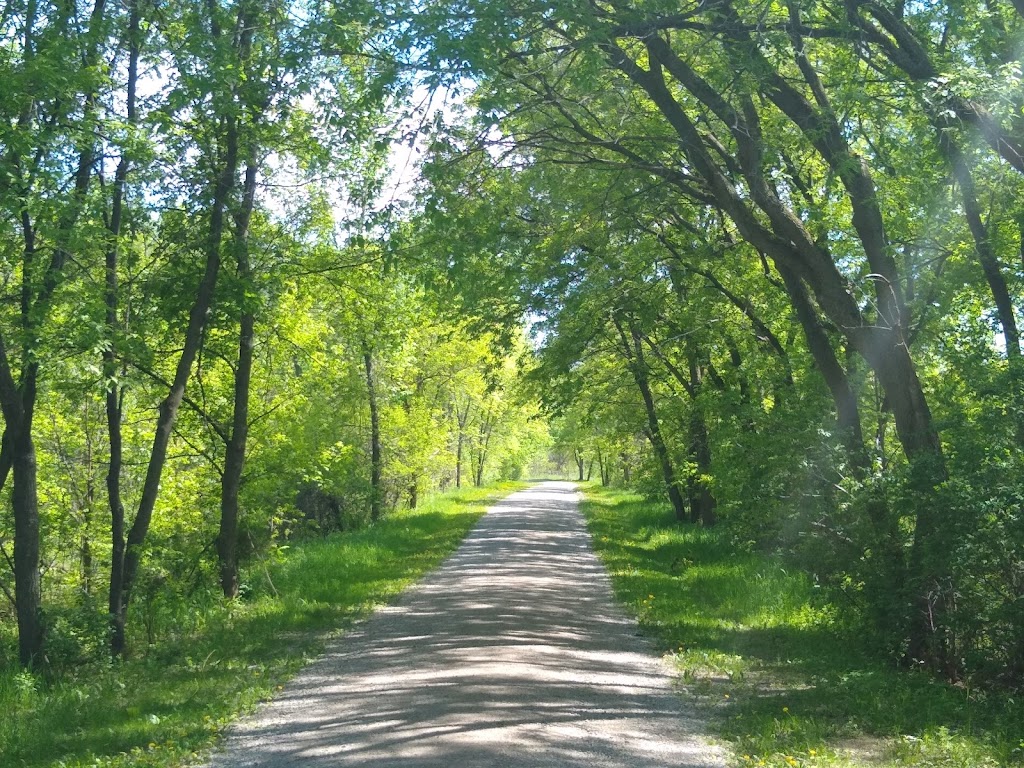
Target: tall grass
{"x": 788, "y": 684}
{"x": 165, "y": 705}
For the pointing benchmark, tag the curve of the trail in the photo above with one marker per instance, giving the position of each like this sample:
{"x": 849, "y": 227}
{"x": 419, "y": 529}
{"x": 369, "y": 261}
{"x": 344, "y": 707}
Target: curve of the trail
{"x": 512, "y": 653}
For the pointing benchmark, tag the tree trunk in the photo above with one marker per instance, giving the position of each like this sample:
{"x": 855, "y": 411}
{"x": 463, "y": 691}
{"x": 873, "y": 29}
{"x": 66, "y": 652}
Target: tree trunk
{"x": 462, "y": 420}
{"x": 486, "y": 426}
{"x": 602, "y": 467}
{"x": 27, "y": 587}
{"x": 633, "y": 350}
{"x": 838, "y": 383}
{"x": 234, "y": 455}
{"x": 113, "y": 394}
{"x": 993, "y": 272}
{"x": 168, "y": 410}
{"x": 234, "y": 460}
{"x": 18, "y": 400}
{"x": 458, "y": 459}
{"x": 375, "y": 453}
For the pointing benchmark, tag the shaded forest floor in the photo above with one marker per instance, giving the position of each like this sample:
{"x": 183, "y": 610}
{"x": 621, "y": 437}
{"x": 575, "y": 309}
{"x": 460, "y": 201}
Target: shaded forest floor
{"x": 173, "y": 699}
{"x": 759, "y": 646}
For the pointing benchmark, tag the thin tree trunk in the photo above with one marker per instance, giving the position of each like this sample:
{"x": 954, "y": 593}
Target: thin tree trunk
{"x": 633, "y": 350}
{"x": 458, "y": 459}
{"x": 113, "y": 394}
{"x": 486, "y": 427}
{"x": 375, "y": 453}
{"x": 462, "y": 419}
{"x": 702, "y": 501}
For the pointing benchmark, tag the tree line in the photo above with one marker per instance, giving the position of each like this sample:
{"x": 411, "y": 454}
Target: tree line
{"x": 198, "y": 358}
{"x": 774, "y": 249}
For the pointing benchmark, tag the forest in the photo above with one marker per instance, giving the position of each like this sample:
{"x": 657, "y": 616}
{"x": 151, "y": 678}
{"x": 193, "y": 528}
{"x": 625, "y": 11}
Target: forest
{"x": 760, "y": 259}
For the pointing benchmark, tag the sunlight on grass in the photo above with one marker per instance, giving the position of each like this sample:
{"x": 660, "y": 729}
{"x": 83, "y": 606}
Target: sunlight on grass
{"x": 786, "y": 684}
{"x": 173, "y": 700}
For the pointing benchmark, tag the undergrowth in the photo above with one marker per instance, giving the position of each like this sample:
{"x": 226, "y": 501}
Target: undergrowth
{"x": 789, "y": 685}
{"x": 162, "y": 707}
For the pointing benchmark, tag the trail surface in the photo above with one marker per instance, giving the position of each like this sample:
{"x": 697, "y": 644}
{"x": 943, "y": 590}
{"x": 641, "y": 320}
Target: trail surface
{"x": 513, "y": 654}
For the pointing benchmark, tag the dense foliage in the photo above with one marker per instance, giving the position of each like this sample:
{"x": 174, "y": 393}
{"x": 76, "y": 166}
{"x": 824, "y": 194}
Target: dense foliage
{"x": 771, "y": 254}
{"x": 773, "y": 250}
{"x": 204, "y": 348}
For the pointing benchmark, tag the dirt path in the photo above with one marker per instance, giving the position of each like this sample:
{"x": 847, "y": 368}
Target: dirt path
{"x": 511, "y": 654}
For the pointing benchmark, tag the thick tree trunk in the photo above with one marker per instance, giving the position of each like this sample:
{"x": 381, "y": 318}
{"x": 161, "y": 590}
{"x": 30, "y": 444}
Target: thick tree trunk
{"x": 17, "y": 454}
{"x": 27, "y": 587}
{"x": 234, "y": 455}
{"x": 234, "y": 460}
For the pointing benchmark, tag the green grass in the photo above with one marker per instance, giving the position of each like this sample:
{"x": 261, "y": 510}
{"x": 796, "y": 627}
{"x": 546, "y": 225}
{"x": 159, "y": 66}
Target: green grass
{"x": 760, "y": 647}
{"x": 162, "y": 709}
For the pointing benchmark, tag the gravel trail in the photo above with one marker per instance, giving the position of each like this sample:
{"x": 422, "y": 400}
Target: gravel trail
{"x": 512, "y": 653}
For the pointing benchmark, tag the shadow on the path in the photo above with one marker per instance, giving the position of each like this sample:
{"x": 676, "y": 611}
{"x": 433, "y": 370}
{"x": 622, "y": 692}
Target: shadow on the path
{"x": 511, "y": 654}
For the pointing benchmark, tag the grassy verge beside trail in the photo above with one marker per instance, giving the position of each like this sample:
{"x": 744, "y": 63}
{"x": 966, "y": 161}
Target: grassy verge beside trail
{"x": 786, "y": 686}
{"x": 162, "y": 708}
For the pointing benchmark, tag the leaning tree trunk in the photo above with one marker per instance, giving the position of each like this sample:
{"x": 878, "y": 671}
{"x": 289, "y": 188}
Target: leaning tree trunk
{"x": 633, "y": 351}
{"x": 123, "y": 579}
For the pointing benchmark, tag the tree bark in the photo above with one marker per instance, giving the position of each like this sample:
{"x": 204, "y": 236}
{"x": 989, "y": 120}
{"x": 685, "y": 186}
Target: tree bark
{"x": 234, "y": 455}
{"x": 27, "y": 583}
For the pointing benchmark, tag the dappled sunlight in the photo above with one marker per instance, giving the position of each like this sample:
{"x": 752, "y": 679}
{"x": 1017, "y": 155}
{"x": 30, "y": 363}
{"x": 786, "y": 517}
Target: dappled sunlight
{"x": 512, "y": 653}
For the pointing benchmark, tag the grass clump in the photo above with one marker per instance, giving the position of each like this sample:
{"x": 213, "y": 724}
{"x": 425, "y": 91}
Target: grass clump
{"x": 162, "y": 707}
{"x": 789, "y": 684}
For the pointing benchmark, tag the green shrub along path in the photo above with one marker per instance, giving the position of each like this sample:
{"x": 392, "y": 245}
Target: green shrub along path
{"x": 175, "y": 699}
{"x": 790, "y": 685}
